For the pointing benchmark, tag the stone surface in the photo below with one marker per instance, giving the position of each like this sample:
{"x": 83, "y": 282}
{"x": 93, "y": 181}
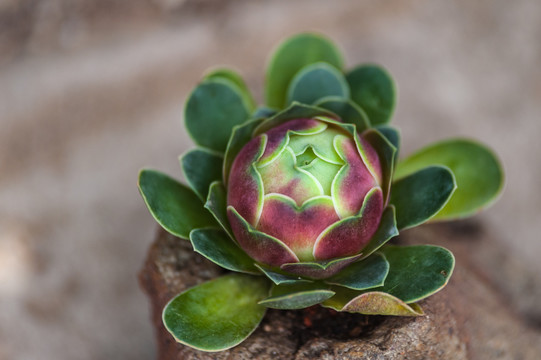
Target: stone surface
{"x": 469, "y": 319}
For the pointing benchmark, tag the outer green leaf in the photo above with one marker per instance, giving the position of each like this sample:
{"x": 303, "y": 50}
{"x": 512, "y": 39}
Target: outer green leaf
{"x": 347, "y": 110}
{"x": 216, "y": 246}
{"x": 373, "y": 89}
{"x": 217, "y": 205}
{"x": 297, "y": 296}
{"x": 316, "y": 81}
{"x": 213, "y": 108}
{"x": 386, "y": 231}
{"x": 371, "y": 303}
{"x": 363, "y": 275}
{"x": 281, "y": 279}
{"x": 236, "y": 78}
{"x": 387, "y": 154}
{"x": 263, "y": 112}
{"x": 201, "y": 167}
{"x": 392, "y": 134}
{"x": 419, "y": 196}
{"x": 417, "y": 271}
{"x": 291, "y": 56}
{"x": 174, "y": 206}
{"x": 218, "y": 314}
{"x": 240, "y": 136}
{"x": 478, "y": 174}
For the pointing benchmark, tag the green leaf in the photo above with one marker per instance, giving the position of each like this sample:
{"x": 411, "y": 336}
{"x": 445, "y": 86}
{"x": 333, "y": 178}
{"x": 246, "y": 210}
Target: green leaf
{"x": 371, "y": 303}
{"x": 217, "y": 205}
{"x": 478, "y": 173}
{"x": 174, "y": 206}
{"x": 216, "y": 246}
{"x": 373, "y": 89}
{"x": 296, "y": 296}
{"x": 363, "y": 275}
{"x": 292, "y": 55}
{"x": 280, "y": 279}
{"x": 392, "y": 134}
{"x": 218, "y": 314}
{"x": 386, "y": 154}
{"x": 386, "y": 230}
{"x": 294, "y": 111}
{"x": 416, "y": 271}
{"x": 263, "y": 112}
{"x": 240, "y": 136}
{"x": 316, "y": 81}
{"x": 201, "y": 167}
{"x": 347, "y": 110}
{"x": 236, "y": 78}
{"x": 419, "y": 196}
{"x": 213, "y": 108}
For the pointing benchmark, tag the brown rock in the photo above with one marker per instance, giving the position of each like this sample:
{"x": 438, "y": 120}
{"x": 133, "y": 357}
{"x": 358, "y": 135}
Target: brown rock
{"x": 467, "y": 320}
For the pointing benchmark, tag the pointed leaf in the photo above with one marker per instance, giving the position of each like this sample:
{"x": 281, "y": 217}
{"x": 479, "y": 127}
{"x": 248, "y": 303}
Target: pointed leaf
{"x": 316, "y": 81}
{"x": 217, "y": 205}
{"x": 371, "y": 303}
{"x": 347, "y": 110}
{"x": 294, "y": 111}
{"x": 213, "y": 108}
{"x": 218, "y": 314}
{"x": 373, "y": 89}
{"x": 386, "y": 231}
{"x": 174, "y": 206}
{"x": 240, "y": 136}
{"x": 263, "y": 112}
{"x": 281, "y": 279}
{"x": 419, "y": 196}
{"x": 291, "y": 56}
{"x": 386, "y": 154}
{"x": 216, "y": 246}
{"x": 478, "y": 174}
{"x": 236, "y": 78}
{"x": 201, "y": 167}
{"x": 416, "y": 272}
{"x": 363, "y": 275}
{"x": 392, "y": 134}
{"x": 319, "y": 269}
{"x": 297, "y": 296}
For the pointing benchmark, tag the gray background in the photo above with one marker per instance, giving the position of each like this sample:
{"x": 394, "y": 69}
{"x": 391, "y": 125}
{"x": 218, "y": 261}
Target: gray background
{"x": 92, "y": 91}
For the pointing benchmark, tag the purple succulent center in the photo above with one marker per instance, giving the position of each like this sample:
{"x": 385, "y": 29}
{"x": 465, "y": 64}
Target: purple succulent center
{"x": 306, "y": 190}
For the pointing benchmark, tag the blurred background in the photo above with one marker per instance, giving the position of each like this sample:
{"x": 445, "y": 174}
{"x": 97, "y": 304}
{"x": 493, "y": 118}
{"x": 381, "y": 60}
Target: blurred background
{"x": 93, "y": 90}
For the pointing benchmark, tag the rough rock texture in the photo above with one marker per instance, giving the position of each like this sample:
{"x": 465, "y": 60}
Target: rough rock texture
{"x": 469, "y": 319}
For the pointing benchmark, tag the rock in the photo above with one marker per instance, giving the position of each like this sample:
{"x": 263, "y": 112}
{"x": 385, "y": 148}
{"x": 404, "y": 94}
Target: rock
{"x": 469, "y": 319}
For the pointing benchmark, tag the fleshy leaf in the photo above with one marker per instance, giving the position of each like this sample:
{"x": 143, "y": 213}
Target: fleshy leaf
{"x": 296, "y": 296}
{"x": 217, "y": 205}
{"x": 218, "y": 314}
{"x": 174, "y": 206}
{"x": 350, "y": 235}
{"x": 371, "y": 303}
{"x": 419, "y": 196}
{"x": 392, "y": 135}
{"x": 236, "y": 78}
{"x": 201, "y": 167}
{"x": 263, "y": 112}
{"x": 260, "y": 246}
{"x": 386, "y": 153}
{"x": 362, "y": 275}
{"x": 294, "y": 111}
{"x": 281, "y": 279}
{"x": 213, "y": 108}
{"x": 319, "y": 269}
{"x": 478, "y": 174}
{"x": 347, "y": 110}
{"x": 416, "y": 272}
{"x": 316, "y": 81}
{"x": 216, "y": 246}
{"x": 292, "y": 55}
{"x": 373, "y": 89}
{"x": 386, "y": 230}
{"x": 240, "y": 136}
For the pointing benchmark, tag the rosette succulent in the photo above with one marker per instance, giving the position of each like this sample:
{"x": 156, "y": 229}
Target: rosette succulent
{"x": 298, "y": 198}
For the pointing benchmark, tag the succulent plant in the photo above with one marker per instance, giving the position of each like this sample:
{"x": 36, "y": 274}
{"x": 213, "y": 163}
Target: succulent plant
{"x": 299, "y": 197}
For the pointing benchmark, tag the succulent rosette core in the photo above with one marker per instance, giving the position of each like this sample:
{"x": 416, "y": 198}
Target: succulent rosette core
{"x": 305, "y": 191}
{"x": 300, "y": 197}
